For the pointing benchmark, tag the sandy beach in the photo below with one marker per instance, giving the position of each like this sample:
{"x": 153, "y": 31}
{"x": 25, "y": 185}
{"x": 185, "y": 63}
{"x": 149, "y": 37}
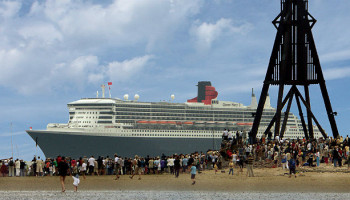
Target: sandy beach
{"x": 334, "y": 185}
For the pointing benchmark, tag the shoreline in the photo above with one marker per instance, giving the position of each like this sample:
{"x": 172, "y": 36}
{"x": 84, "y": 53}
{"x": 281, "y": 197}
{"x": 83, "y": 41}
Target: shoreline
{"x": 171, "y": 195}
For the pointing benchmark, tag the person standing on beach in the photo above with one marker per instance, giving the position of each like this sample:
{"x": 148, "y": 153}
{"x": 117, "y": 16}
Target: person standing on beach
{"x": 231, "y": 165}
{"x": 177, "y": 166}
{"x": 250, "y": 161}
{"x": 292, "y": 165}
{"x": 193, "y": 174}
{"x": 63, "y": 171}
{"x": 184, "y": 164}
{"x": 91, "y": 162}
{"x": 39, "y": 167}
{"x": 83, "y": 169}
{"x": 18, "y": 167}
{"x": 240, "y": 164}
{"x": 117, "y": 166}
{"x": 11, "y": 167}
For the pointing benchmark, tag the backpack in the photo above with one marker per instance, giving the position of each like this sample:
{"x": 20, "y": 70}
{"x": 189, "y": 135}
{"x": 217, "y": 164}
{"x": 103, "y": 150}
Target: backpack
{"x": 11, "y": 163}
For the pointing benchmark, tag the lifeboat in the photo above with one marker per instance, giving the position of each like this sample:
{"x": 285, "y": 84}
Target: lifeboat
{"x": 245, "y": 124}
{"x": 188, "y": 123}
{"x": 171, "y": 122}
{"x": 152, "y": 122}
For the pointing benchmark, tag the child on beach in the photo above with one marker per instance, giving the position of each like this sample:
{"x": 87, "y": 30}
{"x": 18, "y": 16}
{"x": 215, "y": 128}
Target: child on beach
{"x": 76, "y": 182}
{"x": 193, "y": 174}
{"x": 215, "y": 168}
{"x": 231, "y": 168}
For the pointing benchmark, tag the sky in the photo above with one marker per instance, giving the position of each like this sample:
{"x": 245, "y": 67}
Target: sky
{"x": 55, "y": 52}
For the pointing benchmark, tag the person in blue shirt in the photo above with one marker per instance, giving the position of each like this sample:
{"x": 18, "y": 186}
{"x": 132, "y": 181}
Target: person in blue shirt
{"x": 292, "y": 164}
{"x": 193, "y": 174}
{"x": 184, "y": 164}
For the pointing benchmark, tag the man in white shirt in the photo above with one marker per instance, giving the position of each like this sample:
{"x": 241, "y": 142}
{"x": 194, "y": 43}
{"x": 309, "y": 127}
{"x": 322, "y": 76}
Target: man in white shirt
{"x": 17, "y": 166}
{"x": 309, "y": 147}
{"x": 117, "y": 166}
{"x": 230, "y": 136}
{"x": 91, "y": 162}
{"x": 225, "y": 134}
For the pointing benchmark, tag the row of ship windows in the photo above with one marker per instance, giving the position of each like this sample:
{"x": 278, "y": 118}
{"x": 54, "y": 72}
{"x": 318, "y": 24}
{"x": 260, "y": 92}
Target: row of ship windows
{"x": 211, "y": 136}
{"x": 181, "y": 114}
{"x": 187, "y": 119}
{"x": 139, "y": 115}
{"x": 210, "y": 114}
{"x": 100, "y": 117}
{"x": 191, "y": 111}
{"x": 91, "y": 108}
{"x": 238, "y": 120}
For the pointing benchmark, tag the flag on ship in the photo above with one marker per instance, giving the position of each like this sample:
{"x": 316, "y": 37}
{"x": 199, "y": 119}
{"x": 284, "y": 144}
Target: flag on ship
{"x": 109, "y": 85}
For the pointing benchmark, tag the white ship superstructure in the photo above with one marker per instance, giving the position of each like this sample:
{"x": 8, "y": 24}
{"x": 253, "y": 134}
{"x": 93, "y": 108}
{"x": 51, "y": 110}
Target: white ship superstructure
{"x": 201, "y": 120}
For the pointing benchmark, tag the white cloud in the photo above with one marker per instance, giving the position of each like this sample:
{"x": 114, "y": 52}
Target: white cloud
{"x": 206, "y": 33}
{"x": 9, "y": 9}
{"x": 121, "y": 71}
{"x": 69, "y": 42}
{"x": 43, "y": 34}
{"x": 336, "y": 73}
{"x": 336, "y": 56}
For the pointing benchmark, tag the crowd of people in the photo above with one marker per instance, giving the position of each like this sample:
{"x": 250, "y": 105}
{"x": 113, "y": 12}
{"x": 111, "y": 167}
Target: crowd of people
{"x": 235, "y": 152}
{"x": 174, "y": 164}
{"x": 284, "y": 152}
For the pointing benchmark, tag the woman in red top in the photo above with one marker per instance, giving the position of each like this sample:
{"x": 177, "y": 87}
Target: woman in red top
{"x": 3, "y": 168}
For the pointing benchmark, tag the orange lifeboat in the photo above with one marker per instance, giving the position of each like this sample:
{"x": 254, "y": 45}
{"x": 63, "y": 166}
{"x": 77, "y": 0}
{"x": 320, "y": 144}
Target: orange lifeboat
{"x": 188, "y": 123}
{"x": 245, "y": 124}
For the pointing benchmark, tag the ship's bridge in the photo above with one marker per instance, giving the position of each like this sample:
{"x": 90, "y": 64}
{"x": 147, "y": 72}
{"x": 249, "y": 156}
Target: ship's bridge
{"x": 91, "y": 112}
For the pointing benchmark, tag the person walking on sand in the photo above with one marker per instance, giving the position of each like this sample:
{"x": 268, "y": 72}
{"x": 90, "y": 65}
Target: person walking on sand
{"x": 63, "y": 171}
{"x": 193, "y": 174}
{"x": 137, "y": 165}
{"x": 76, "y": 182}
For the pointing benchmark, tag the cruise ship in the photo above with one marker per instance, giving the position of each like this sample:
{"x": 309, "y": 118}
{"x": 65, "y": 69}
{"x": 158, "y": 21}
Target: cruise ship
{"x": 105, "y": 126}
